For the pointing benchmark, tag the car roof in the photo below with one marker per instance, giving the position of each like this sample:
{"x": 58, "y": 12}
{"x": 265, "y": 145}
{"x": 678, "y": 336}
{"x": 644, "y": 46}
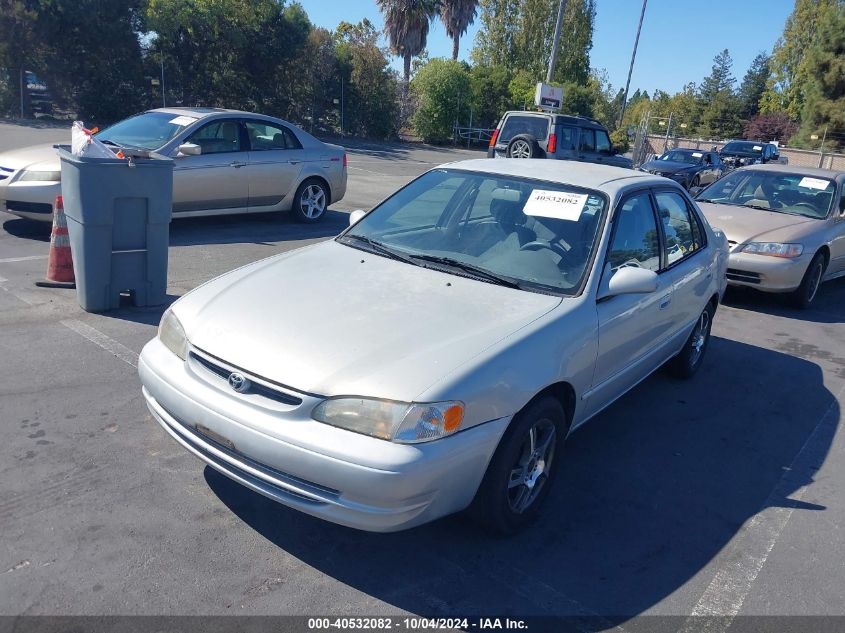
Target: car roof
{"x": 589, "y": 175}
{"x": 202, "y": 113}
{"x": 798, "y": 171}
{"x": 559, "y": 118}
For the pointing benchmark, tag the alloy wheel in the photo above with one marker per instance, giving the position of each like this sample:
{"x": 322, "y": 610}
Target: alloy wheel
{"x": 533, "y": 465}
{"x": 520, "y": 149}
{"x": 815, "y": 282}
{"x": 313, "y": 201}
{"x": 699, "y": 337}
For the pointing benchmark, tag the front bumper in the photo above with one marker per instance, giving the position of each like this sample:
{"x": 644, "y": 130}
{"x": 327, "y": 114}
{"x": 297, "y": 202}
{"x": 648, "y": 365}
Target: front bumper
{"x": 277, "y": 450}
{"x": 32, "y": 200}
{"x": 766, "y": 273}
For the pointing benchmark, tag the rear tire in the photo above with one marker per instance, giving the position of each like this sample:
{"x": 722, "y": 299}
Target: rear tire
{"x": 696, "y": 182}
{"x": 522, "y": 470}
{"x": 310, "y": 201}
{"x": 689, "y": 359}
{"x": 804, "y": 295}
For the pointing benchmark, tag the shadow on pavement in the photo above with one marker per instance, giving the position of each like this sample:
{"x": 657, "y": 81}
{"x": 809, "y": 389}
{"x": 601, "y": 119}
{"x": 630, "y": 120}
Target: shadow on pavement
{"x": 649, "y": 492}
{"x": 258, "y": 228}
{"x": 29, "y": 229}
{"x": 828, "y": 306}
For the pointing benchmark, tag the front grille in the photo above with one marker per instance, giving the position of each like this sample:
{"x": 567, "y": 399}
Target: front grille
{"x": 258, "y": 386}
{"x": 29, "y": 207}
{"x": 746, "y": 276}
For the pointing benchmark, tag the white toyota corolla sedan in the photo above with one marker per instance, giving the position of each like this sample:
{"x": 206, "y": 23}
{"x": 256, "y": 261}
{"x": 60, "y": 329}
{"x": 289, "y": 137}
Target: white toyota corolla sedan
{"x": 436, "y": 354}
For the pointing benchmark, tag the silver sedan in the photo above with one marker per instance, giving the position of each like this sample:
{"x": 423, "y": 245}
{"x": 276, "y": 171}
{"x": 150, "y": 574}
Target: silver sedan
{"x": 226, "y": 162}
{"x": 436, "y": 354}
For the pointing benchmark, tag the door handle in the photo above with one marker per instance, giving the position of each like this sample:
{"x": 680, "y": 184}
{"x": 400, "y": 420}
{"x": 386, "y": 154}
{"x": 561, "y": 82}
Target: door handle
{"x": 294, "y": 162}
{"x": 236, "y": 164}
{"x": 665, "y": 301}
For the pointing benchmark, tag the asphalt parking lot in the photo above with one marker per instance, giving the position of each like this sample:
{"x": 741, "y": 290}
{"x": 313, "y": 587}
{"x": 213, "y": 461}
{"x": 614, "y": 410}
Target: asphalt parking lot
{"x": 720, "y": 496}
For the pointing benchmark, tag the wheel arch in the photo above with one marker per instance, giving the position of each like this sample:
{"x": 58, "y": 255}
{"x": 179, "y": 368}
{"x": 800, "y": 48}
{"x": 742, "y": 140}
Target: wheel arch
{"x": 561, "y": 391}
{"x": 319, "y": 178}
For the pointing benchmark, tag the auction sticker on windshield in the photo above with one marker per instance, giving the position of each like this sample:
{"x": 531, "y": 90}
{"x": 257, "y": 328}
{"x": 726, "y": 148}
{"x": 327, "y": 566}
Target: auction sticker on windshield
{"x": 561, "y": 205}
{"x": 182, "y": 120}
{"x": 813, "y": 183}
{"x": 697, "y": 154}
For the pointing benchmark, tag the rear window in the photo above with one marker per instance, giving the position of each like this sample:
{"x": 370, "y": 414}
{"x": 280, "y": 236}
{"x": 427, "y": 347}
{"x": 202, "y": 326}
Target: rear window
{"x": 536, "y": 126}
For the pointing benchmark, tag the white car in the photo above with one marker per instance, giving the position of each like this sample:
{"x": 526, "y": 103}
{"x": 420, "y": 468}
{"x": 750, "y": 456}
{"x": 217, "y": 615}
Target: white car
{"x": 438, "y": 352}
{"x": 226, "y": 162}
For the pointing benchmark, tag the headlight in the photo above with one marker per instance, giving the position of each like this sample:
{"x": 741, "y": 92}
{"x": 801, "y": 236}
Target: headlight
{"x": 775, "y": 249}
{"x": 41, "y": 176}
{"x": 403, "y": 422}
{"x": 170, "y": 333}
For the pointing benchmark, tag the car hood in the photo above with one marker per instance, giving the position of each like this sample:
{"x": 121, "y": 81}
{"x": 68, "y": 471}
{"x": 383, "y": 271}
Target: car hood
{"x": 330, "y": 319}
{"x": 668, "y": 167}
{"x": 36, "y": 157}
{"x": 744, "y": 224}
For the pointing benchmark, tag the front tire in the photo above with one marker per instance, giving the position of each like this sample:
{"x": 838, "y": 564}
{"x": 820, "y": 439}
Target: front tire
{"x": 523, "y": 468}
{"x": 804, "y": 295}
{"x": 311, "y": 201}
{"x": 689, "y": 359}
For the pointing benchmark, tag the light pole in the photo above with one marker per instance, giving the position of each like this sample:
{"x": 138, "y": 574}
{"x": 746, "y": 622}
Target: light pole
{"x": 560, "y": 9}
{"x": 631, "y": 67}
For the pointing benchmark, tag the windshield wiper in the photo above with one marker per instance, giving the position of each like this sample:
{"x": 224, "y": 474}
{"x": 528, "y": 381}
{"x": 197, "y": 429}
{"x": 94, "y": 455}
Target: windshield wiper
{"x": 475, "y": 271}
{"x": 381, "y": 249}
{"x": 760, "y": 207}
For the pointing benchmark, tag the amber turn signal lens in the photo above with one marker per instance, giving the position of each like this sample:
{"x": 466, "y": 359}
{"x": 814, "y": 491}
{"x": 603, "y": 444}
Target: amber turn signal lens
{"x": 452, "y": 418}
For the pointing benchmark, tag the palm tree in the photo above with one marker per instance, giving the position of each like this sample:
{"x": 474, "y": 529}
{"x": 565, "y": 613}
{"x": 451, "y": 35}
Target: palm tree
{"x": 406, "y": 23}
{"x": 457, "y": 15}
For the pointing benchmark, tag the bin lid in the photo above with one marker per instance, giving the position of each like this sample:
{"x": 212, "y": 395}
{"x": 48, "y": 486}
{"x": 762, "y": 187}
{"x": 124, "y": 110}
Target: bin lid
{"x": 137, "y": 156}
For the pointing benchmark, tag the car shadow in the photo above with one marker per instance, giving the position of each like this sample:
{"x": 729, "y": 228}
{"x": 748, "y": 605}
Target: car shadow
{"x": 28, "y": 229}
{"x": 257, "y": 228}
{"x": 828, "y": 306}
{"x": 648, "y": 493}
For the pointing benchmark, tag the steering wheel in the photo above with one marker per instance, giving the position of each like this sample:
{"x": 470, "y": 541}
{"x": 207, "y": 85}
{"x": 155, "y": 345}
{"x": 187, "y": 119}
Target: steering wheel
{"x": 555, "y": 248}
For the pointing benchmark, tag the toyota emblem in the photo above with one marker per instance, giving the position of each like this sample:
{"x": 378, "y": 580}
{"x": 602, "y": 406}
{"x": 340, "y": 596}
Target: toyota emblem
{"x": 238, "y": 382}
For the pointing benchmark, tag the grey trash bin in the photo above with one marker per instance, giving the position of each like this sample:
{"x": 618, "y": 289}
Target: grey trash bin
{"x": 118, "y": 215}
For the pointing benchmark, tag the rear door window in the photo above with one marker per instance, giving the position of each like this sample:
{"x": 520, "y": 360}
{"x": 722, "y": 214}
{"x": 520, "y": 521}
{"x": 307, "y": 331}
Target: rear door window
{"x": 536, "y": 126}
{"x": 602, "y": 142}
{"x": 567, "y": 137}
{"x": 588, "y": 141}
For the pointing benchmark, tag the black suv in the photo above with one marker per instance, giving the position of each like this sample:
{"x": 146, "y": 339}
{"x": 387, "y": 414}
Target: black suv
{"x": 738, "y": 153}
{"x": 544, "y": 135}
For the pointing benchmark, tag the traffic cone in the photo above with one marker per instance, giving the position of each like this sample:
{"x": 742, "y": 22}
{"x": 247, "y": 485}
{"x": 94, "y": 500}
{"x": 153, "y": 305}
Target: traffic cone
{"x": 59, "y": 262}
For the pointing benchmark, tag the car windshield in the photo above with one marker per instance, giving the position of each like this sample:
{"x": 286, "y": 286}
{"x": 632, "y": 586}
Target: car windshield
{"x": 149, "y": 130}
{"x": 517, "y": 232}
{"x": 676, "y": 156}
{"x": 743, "y": 147}
{"x": 810, "y": 196}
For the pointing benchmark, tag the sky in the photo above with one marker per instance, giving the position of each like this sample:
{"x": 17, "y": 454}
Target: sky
{"x": 678, "y": 41}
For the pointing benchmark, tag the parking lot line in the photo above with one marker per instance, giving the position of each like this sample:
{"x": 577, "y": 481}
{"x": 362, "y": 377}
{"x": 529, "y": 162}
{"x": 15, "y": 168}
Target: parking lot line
{"x": 107, "y": 343}
{"x": 10, "y": 260}
{"x": 749, "y": 551}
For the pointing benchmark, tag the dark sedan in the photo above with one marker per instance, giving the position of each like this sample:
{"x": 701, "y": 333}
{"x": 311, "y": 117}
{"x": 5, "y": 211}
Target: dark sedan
{"x": 688, "y": 167}
{"x": 740, "y": 153}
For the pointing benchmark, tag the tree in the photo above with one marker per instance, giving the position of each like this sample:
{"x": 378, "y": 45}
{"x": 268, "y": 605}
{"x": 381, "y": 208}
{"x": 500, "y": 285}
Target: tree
{"x": 786, "y": 86}
{"x": 771, "y": 126}
{"x": 456, "y": 16}
{"x": 754, "y": 85}
{"x": 406, "y": 23}
{"x": 491, "y": 96}
{"x": 517, "y": 34}
{"x": 441, "y": 87}
{"x": 495, "y": 40}
{"x": 369, "y": 83}
{"x": 719, "y": 106}
{"x": 824, "y": 91}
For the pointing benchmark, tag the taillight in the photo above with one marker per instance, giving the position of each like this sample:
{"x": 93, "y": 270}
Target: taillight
{"x": 552, "y": 146}
{"x": 494, "y": 137}
{"x": 345, "y": 161}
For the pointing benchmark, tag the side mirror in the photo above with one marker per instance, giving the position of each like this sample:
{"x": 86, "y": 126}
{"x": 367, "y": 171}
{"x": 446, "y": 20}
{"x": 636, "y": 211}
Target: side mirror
{"x": 694, "y": 191}
{"x": 189, "y": 149}
{"x": 627, "y": 280}
{"x": 356, "y": 216}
